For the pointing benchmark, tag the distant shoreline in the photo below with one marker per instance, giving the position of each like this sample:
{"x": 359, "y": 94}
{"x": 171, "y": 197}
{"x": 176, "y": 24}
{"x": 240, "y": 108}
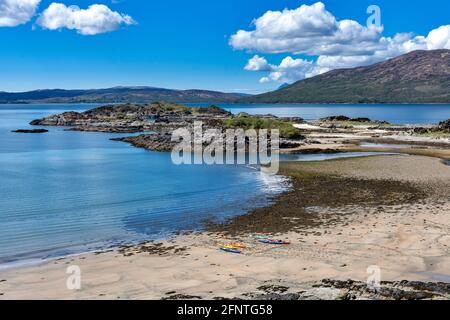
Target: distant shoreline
{"x": 232, "y": 103}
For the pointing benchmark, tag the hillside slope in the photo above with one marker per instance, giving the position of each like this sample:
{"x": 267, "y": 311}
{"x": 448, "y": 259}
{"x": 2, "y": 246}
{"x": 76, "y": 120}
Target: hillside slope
{"x": 117, "y": 95}
{"x": 416, "y": 77}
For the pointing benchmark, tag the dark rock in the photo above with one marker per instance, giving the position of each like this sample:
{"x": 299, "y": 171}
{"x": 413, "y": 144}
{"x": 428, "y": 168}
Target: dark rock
{"x": 108, "y": 129}
{"x": 335, "y": 118}
{"x": 420, "y": 130}
{"x": 212, "y": 110}
{"x": 154, "y": 142}
{"x": 294, "y": 119}
{"x": 273, "y": 289}
{"x": 289, "y": 144}
{"x": 30, "y": 131}
{"x": 445, "y": 125}
{"x": 278, "y": 297}
{"x": 360, "y": 120}
{"x": 170, "y": 293}
{"x": 400, "y": 290}
{"x": 64, "y": 119}
{"x": 182, "y": 297}
{"x": 317, "y": 151}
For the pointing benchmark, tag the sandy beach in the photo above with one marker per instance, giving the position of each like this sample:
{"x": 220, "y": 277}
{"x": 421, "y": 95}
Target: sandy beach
{"x": 341, "y": 217}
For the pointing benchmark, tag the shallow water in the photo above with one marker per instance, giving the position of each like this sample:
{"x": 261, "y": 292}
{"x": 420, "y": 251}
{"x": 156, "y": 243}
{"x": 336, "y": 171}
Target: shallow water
{"x": 65, "y": 192}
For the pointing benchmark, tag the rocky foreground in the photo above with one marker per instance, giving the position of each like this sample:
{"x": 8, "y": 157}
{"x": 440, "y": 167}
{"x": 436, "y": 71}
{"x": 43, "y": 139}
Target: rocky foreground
{"x": 328, "y": 289}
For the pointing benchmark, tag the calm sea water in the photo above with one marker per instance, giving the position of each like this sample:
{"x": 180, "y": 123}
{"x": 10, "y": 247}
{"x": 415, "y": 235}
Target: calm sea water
{"x": 395, "y": 114}
{"x": 66, "y": 192}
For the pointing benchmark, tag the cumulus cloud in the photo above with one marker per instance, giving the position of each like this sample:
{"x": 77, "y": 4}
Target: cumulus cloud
{"x": 288, "y": 70}
{"x": 308, "y": 29}
{"x": 96, "y": 19}
{"x": 257, "y": 63}
{"x": 313, "y": 31}
{"x": 17, "y": 12}
{"x": 439, "y": 38}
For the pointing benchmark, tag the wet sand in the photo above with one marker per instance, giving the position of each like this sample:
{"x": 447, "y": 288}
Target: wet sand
{"x": 341, "y": 217}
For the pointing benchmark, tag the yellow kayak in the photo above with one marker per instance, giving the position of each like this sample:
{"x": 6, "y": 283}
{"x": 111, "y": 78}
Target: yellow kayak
{"x": 235, "y": 245}
{"x": 230, "y": 247}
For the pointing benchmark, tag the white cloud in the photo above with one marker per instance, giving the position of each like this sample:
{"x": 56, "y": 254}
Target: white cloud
{"x": 17, "y": 12}
{"x": 257, "y": 63}
{"x": 313, "y": 31}
{"x": 308, "y": 29}
{"x": 289, "y": 70}
{"x": 439, "y": 38}
{"x": 96, "y": 19}
{"x": 306, "y": 21}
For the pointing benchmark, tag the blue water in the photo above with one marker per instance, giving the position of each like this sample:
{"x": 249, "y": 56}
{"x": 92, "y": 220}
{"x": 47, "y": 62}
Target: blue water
{"x": 395, "y": 114}
{"x": 65, "y": 192}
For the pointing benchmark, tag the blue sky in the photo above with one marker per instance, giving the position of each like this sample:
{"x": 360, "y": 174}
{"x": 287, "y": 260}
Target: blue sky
{"x": 176, "y": 44}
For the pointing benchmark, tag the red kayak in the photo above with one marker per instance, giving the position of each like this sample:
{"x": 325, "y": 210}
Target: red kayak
{"x": 272, "y": 241}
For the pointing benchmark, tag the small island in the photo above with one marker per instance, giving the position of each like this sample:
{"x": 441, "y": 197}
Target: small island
{"x": 30, "y": 131}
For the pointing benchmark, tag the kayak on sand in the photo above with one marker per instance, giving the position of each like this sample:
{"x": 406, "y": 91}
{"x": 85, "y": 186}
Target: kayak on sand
{"x": 272, "y": 241}
{"x": 230, "y": 250}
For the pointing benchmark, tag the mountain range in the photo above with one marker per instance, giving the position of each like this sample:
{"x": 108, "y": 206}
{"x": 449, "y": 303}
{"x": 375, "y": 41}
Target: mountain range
{"x": 118, "y": 95}
{"x": 415, "y": 77}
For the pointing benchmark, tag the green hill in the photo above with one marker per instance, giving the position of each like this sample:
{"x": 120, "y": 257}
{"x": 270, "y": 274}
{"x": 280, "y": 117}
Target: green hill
{"x": 416, "y": 77}
{"x": 117, "y": 95}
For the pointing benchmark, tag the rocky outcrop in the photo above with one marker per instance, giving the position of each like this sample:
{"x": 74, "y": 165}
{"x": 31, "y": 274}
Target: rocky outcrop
{"x": 108, "y": 129}
{"x": 445, "y": 125}
{"x": 64, "y": 119}
{"x": 335, "y": 118}
{"x": 163, "y": 142}
{"x": 399, "y": 290}
{"x": 154, "y": 142}
{"x": 442, "y": 127}
{"x": 355, "y": 290}
{"x": 348, "y": 119}
{"x": 30, "y": 131}
{"x": 163, "y": 118}
{"x": 130, "y": 118}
